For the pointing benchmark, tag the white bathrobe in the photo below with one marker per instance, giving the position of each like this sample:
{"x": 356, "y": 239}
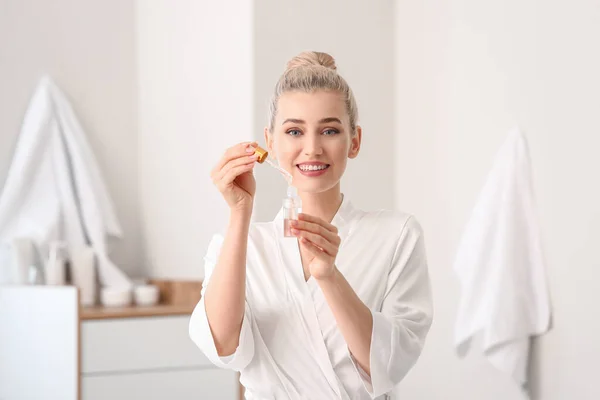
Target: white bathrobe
{"x": 54, "y": 190}
{"x": 290, "y": 346}
{"x": 501, "y": 268}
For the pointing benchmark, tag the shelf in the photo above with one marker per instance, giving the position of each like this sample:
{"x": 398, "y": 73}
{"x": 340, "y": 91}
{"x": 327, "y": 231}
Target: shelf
{"x": 160, "y": 310}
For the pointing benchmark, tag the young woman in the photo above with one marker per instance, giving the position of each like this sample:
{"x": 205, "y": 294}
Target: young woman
{"x": 340, "y": 311}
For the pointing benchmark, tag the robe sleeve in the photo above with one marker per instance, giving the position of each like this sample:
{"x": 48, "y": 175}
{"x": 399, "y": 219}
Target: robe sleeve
{"x": 199, "y": 328}
{"x": 402, "y": 324}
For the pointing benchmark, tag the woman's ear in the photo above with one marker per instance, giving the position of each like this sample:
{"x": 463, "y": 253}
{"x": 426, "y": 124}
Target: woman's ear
{"x": 355, "y": 141}
{"x": 269, "y": 142}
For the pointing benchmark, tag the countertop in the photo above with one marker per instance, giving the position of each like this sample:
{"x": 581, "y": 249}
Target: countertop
{"x": 159, "y": 310}
{"x": 176, "y": 298}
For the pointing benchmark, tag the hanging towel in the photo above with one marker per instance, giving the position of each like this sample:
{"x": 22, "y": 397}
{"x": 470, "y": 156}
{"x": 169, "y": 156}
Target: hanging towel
{"x": 54, "y": 190}
{"x": 500, "y": 266}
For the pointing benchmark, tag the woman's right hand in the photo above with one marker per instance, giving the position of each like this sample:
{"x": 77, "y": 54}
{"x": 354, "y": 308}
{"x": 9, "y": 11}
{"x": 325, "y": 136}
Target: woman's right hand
{"x": 233, "y": 176}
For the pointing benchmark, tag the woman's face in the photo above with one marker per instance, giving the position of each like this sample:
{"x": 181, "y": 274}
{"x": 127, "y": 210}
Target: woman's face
{"x": 312, "y": 139}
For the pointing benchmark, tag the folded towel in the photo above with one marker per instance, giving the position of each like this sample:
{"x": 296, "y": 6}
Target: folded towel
{"x": 54, "y": 190}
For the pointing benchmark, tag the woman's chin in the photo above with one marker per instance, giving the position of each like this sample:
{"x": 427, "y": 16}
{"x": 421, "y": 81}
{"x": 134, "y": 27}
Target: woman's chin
{"x": 313, "y": 186}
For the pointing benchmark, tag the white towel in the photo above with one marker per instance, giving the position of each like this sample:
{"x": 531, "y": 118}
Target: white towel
{"x": 500, "y": 266}
{"x": 54, "y": 190}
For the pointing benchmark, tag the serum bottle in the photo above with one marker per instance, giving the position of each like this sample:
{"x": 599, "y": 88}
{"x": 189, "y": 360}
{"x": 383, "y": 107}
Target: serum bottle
{"x": 292, "y": 206}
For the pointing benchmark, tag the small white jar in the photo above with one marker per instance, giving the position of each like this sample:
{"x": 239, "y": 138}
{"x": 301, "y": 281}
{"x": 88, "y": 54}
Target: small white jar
{"x": 146, "y": 295}
{"x": 114, "y": 297}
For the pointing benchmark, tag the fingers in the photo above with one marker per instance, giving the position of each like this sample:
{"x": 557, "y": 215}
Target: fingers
{"x": 311, "y": 248}
{"x": 322, "y": 235}
{"x": 315, "y": 250}
{"x": 233, "y": 172}
{"x": 239, "y": 150}
{"x": 312, "y": 227}
{"x": 248, "y": 159}
{"x": 318, "y": 221}
{"x": 318, "y": 241}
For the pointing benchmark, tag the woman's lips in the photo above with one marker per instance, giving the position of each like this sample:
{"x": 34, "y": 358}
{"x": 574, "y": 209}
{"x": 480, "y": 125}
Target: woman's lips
{"x": 311, "y": 171}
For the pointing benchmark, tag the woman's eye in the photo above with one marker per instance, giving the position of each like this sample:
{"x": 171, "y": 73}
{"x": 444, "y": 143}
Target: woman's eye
{"x": 294, "y": 132}
{"x": 329, "y": 132}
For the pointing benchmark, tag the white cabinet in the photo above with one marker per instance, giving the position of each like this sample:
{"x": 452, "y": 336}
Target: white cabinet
{"x": 132, "y": 344}
{"x": 193, "y": 384}
{"x": 148, "y": 358}
{"x": 50, "y": 349}
{"x": 38, "y": 343}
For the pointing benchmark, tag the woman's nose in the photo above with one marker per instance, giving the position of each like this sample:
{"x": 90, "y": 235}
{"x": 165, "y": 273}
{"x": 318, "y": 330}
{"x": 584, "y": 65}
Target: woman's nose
{"x": 312, "y": 146}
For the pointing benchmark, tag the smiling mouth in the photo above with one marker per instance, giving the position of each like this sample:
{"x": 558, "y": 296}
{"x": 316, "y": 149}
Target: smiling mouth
{"x": 311, "y": 168}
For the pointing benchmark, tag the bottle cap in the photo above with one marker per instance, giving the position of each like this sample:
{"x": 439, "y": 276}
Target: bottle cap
{"x": 261, "y": 153}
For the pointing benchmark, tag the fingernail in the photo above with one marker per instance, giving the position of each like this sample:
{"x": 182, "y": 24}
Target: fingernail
{"x": 250, "y": 149}
{"x": 294, "y": 222}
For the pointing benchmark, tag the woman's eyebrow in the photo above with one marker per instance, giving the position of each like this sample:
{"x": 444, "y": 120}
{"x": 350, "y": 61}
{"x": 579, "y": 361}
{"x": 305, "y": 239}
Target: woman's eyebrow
{"x": 294, "y": 121}
{"x": 322, "y": 121}
{"x": 329, "y": 120}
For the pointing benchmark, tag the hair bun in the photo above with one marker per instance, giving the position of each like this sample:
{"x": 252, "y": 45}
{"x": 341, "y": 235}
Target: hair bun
{"x": 312, "y": 58}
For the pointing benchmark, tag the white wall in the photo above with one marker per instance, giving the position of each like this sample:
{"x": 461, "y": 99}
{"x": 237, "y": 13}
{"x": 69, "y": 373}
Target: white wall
{"x": 205, "y": 85}
{"x": 359, "y": 35}
{"x": 88, "y": 48}
{"x": 467, "y": 71}
{"x": 195, "y": 100}
{"x": 163, "y": 90}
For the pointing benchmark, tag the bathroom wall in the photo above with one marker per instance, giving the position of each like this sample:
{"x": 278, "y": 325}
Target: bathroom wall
{"x": 198, "y": 96}
{"x": 467, "y": 72}
{"x": 195, "y": 99}
{"x": 88, "y": 48}
{"x": 163, "y": 90}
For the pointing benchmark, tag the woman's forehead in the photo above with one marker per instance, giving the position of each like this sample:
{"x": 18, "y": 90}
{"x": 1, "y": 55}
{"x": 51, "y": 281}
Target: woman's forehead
{"x": 313, "y": 106}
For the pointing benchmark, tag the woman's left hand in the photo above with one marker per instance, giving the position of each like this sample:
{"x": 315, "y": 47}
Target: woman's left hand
{"x": 321, "y": 241}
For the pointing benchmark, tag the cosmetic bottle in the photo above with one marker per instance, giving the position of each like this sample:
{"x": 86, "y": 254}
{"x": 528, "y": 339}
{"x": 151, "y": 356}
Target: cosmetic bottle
{"x": 292, "y": 206}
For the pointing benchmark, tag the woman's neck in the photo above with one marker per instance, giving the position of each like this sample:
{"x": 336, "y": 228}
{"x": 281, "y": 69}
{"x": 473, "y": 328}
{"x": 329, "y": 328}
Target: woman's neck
{"x": 323, "y": 205}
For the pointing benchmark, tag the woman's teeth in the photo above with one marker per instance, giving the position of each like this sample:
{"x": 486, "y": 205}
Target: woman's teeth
{"x": 312, "y": 167}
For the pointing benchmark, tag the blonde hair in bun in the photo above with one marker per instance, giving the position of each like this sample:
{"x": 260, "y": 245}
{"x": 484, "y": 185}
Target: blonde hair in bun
{"x": 312, "y": 58}
{"x": 308, "y": 72}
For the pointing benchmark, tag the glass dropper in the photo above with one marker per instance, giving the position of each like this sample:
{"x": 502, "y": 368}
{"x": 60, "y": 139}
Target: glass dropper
{"x": 263, "y": 156}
